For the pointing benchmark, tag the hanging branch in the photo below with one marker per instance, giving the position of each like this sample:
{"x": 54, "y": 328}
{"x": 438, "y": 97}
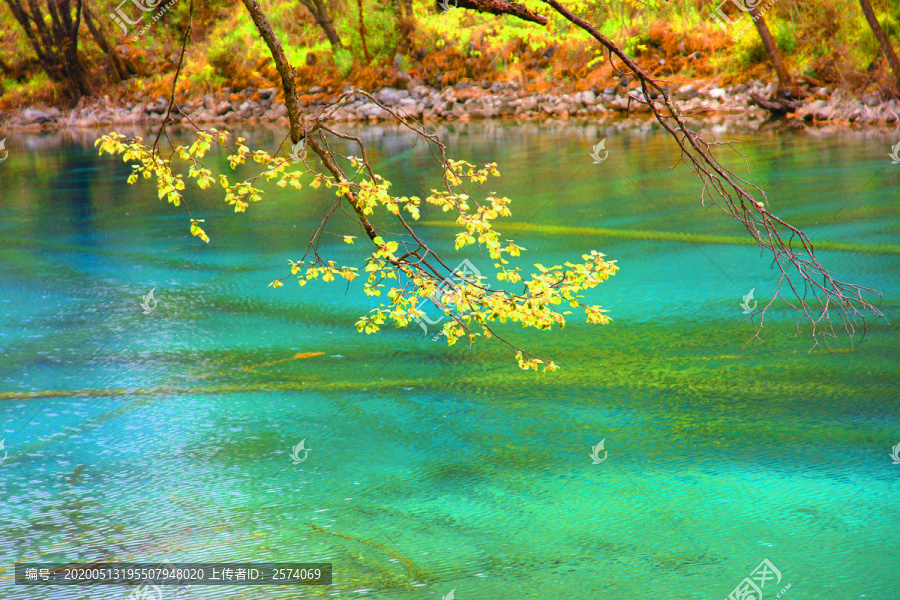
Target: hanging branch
{"x": 420, "y": 272}
{"x": 731, "y": 194}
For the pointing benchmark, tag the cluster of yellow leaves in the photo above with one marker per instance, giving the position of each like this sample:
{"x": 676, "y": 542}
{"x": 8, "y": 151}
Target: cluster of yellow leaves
{"x": 470, "y": 304}
{"x": 328, "y": 272}
{"x": 146, "y": 163}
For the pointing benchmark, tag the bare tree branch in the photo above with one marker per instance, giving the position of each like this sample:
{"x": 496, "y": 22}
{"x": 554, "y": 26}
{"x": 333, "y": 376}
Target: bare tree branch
{"x": 815, "y": 290}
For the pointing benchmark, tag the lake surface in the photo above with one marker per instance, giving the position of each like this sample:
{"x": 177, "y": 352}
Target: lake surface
{"x": 167, "y": 436}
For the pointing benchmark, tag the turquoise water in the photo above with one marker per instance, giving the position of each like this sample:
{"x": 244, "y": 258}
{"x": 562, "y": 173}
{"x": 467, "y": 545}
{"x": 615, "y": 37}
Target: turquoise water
{"x": 167, "y": 436}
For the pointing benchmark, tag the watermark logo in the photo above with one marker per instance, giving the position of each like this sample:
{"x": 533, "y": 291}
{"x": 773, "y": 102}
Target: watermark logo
{"x": 719, "y": 17}
{"x": 449, "y": 596}
{"x": 751, "y": 588}
{"x": 447, "y": 5}
{"x": 149, "y": 303}
{"x": 596, "y": 153}
{"x": 895, "y": 153}
{"x": 895, "y": 453}
{"x": 298, "y": 151}
{"x": 296, "y": 450}
{"x": 119, "y": 17}
{"x": 595, "y": 452}
{"x": 746, "y": 6}
{"x": 5, "y": 454}
{"x": 145, "y": 6}
{"x": 465, "y": 272}
{"x": 745, "y": 303}
{"x": 148, "y": 589}
{"x": 6, "y": 152}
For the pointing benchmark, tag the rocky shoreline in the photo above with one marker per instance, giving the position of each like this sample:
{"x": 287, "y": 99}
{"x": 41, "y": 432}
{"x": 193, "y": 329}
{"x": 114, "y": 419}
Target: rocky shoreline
{"x": 702, "y": 101}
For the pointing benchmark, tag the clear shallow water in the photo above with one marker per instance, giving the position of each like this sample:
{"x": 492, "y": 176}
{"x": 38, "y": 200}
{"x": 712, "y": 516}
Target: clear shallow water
{"x": 158, "y": 437}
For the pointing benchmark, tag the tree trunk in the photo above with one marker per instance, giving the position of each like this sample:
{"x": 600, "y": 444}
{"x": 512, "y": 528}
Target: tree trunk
{"x": 362, "y": 33}
{"x": 319, "y": 11}
{"x": 285, "y": 69}
{"x": 56, "y": 46}
{"x": 121, "y": 68}
{"x": 37, "y": 43}
{"x": 65, "y": 36}
{"x": 882, "y": 39}
{"x": 784, "y": 77}
{"x": 404, "y": 21}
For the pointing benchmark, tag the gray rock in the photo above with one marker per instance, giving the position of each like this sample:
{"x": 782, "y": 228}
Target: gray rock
{"x": 619, "y": 103}
{"x": 405, "y": 78}
{"x": 686, "y": 92}
{"x": 717, "y": 94}
{"x": 280, "y": 110}
{"x": 223, "y": 108}
{"x": 547, "y": 107}
{"x": 871, "y": 99}
{"x": 203, "y": 116}
{"x": 588, "y": 98}
{"x": 486, "y": 112}
{"x": 420, "y": 91}
{"x": 368, "y": 108}
{"x": 410, "y": 108}
{"x": 694, "y": 103}
{"x": 158, "y": 108}
{"x": 528, "y": 104}
{"x": 444, "y": 107}
{"x": 506, "y": 109}
{"x": 817, "y": 110}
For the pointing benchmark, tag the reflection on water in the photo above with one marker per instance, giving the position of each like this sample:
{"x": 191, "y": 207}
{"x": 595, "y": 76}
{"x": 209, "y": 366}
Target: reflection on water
{"x": 167, "y": 436}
